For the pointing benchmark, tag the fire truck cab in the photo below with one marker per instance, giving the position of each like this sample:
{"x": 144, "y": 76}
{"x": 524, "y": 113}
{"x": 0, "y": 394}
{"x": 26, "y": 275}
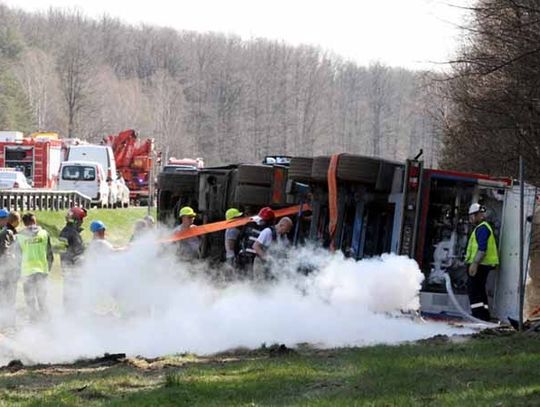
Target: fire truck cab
{"x": 38, "y": 157}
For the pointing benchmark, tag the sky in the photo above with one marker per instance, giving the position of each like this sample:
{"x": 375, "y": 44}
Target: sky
{"x": 416, "y": 34}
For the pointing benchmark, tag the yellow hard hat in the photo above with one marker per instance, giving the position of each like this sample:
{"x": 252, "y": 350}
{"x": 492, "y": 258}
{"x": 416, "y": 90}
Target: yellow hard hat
{"x": 187, "y": 211}
{"x": 232, "y": 213}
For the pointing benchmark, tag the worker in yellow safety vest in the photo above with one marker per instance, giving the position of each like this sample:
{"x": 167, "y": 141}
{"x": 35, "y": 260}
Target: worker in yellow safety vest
{"x": 482, "y": 257}
{"x": 36, "y": 261}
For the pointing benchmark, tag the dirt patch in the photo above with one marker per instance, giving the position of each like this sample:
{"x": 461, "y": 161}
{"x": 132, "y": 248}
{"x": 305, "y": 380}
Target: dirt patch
{"x": 494, "y": 332}
{"x": 437, "y": 339}
{"x": 104, "y": 361}
{"x": 90, "y": 394}
{"x": 279, "y": 351}
{"x": 14, "y": 366}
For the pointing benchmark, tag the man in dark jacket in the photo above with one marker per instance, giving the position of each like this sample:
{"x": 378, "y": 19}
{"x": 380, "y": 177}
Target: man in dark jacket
{"x": 249, "y": 235}
{"x": 72, "y": 253}
{"x": 10, "y": 270}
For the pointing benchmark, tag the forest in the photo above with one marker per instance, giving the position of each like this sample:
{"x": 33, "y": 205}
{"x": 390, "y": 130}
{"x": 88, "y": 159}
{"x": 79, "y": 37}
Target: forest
{"x": 205, "y": 94}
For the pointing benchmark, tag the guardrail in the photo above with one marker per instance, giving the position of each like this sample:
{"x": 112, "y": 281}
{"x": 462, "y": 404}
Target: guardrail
{"x": 42, "y": 199}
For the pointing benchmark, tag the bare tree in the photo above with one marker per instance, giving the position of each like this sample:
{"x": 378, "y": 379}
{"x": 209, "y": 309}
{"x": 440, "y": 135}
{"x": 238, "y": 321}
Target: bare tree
{"x": 378, "y": 100}
{"x": 35, "y": 71}
{"x": 494, "y": 90}
{"x": 75, "y": 66}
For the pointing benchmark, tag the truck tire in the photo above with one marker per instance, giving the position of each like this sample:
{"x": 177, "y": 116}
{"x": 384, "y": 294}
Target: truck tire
{"x": 300, "y": 169}
{"x": 319, "y": 169}
{"x": 185, "y": 181}
{"x": 253, "y": 195}
{"x": 386, "y": 177}
{"x": 255, "y": 174}
{"x": 356, "y": 168}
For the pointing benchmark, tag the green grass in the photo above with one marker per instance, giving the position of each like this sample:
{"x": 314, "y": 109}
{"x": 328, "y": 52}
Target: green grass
{"x": 489, "y": 371}
{"x": 119, "y": 222}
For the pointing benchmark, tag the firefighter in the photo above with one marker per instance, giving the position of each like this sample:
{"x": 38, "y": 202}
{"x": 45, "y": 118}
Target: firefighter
{"x": 231, "y": 236}
{"x": 270, "y": 236}
{"x": 9, "y": 272}
{"x": 4, "y": 213}
{"x": 250, "y": 233}
{"x": 142, "y": 226}
{"x": 139, "y": 229}
{"x": 72, "y": 254}
{"x": 482, "y": 257}
{"x": 36, "y": 261}
{"x": 150, "y": 221}
{"x": 100, "y": 244}
{"x": 188, "y": 249}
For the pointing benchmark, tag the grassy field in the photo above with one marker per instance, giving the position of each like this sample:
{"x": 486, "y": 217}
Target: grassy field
{"x": 486, "y": 371}
{"x": 119, "y": 222}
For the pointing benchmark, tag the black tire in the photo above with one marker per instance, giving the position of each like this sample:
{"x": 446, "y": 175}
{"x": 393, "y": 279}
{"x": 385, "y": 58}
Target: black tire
{"x": 356, "y": 168}
{"x": 184, "y": 181}
{"x": 231, "y": 191}
{"x": 300, "y": 169}
{"x": 386, "y": 177}
{"x": 319, "y": 169}
{"x": 255, "y": 174}
{"x": 253, "y": 195}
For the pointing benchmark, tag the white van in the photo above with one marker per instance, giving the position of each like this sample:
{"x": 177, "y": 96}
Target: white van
{"x": 85, "y": 177}
{"x": 95, "y": 153}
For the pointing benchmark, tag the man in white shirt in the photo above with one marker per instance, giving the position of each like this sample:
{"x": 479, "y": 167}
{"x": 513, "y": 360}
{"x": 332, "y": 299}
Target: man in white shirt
{"x": 271, "y": 236}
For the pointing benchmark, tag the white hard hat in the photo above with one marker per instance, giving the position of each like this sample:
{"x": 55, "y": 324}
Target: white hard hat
{"x": 475, "y": 208}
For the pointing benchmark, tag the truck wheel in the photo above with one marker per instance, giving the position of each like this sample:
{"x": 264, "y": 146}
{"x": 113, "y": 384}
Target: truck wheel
{"x": 253, "y": 195}
{"x": 186, "y": 181}
{"x": 357, "y": 168}
{"x": 300, "y": 169}
{"x": 255, "y": 174}
{"x": 319, "y": 169}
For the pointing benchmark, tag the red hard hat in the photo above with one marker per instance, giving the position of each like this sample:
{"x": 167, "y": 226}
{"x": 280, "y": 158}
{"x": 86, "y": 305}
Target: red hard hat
{"x": 77, "y": 213}
{"x": 267, "y": 214}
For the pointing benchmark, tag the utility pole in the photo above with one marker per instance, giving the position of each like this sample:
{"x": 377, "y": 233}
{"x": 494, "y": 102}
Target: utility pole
{"x": 521, "y": 241}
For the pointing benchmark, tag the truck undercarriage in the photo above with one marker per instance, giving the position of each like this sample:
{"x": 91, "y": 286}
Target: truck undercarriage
{"x": 375, "y": 206}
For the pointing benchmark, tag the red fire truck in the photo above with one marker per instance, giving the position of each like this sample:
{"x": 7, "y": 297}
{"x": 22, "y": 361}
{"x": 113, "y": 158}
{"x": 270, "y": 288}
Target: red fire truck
{"x": 38, "y": 157}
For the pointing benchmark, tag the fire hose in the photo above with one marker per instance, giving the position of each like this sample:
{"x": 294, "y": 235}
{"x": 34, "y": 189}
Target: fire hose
{"x": 233, "y": 223}
{"x": 460, "y": 309}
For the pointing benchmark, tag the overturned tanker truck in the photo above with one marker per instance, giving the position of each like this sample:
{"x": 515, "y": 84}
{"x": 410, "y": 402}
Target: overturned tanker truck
{"x": 364, "y": 207}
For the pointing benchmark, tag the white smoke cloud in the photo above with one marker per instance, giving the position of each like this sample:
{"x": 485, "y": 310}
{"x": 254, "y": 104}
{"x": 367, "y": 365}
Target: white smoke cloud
{"x": 141, "y": 302}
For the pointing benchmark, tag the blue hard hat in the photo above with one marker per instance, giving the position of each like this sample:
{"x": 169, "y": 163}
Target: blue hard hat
{"x": 4, "y": 213}
{"x": 96, "y": 226}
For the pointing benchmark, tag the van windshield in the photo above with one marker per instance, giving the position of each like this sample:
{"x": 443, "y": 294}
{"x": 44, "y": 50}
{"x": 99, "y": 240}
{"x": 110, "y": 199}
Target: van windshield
{"x": 78, "y": 173}
{"x": 8, "y": 175}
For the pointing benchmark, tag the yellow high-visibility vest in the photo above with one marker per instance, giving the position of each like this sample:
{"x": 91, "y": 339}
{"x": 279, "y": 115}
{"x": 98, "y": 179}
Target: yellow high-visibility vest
{"x": 492, "y": 257}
